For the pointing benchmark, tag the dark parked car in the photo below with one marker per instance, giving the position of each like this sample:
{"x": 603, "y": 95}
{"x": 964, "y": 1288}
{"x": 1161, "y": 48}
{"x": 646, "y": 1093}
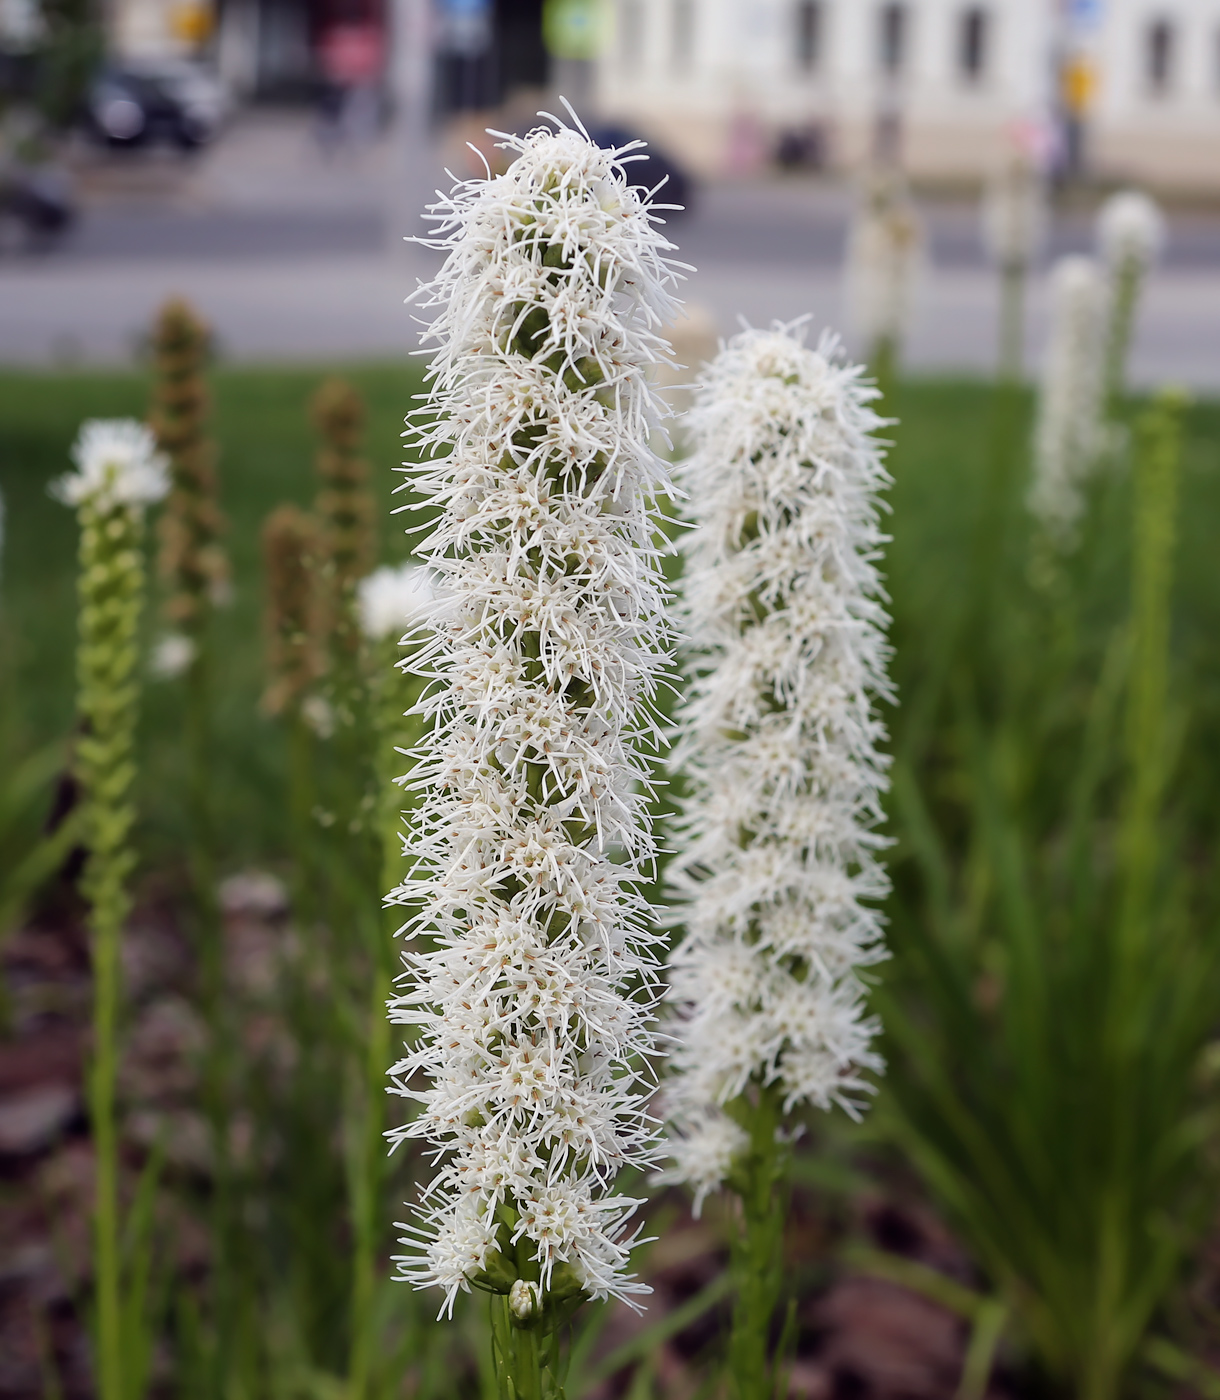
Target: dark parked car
{"x": 35, "y": 206}
{"x": 176, "y": 103}
{"x": 657, "y": 165}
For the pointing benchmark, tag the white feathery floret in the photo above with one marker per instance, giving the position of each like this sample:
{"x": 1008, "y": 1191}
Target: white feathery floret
{"x": 1130, "y": 232}
{"x": 172, "y": 656}
{"x": 117, "y": 463}
{"x": 1015, "y": 215}
{"x": 531, "y": 978}
{"x": 777, "y": 864}
{"x": 884, "y": 259}
{"x": 1069, "y": 430}
{"x": 394, "y": 599}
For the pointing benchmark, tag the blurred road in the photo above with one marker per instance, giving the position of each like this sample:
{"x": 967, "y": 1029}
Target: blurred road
{"x": 288, "y": 253}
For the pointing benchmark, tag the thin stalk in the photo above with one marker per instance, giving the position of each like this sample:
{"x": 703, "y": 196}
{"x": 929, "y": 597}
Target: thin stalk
{"x": 1012, "y": 322}
{"x": 884, "y": 363}
{"x": 391, "y": 696}
{"x": 762, "y": 1187}
{"x": 527, "y": 1361}
{"x": 1127, "y": 279}
{"x": 1155, "y": 509}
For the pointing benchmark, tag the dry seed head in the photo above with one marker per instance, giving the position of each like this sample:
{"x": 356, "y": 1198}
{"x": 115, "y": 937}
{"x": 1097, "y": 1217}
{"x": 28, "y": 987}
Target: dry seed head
{"x": 345, "y": 504}
{"x": 193, "y": 566}
{"x": 290, "y": 556}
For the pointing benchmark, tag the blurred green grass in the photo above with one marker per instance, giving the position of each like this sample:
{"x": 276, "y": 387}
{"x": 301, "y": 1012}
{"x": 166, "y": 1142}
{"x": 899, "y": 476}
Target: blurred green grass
{"x": 940, "y": 461}
{"x": 266, "y": 449}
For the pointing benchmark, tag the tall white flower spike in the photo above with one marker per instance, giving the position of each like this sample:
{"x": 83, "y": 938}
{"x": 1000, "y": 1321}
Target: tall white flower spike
{"x": 1130, "y": 235}
{"x": 885, "y": 254}
{"x": 1069, "y": 431}
{"x": 531, "y": 977}
{"x": 777, "y": 862}
{"x": 1130, "y": 229}
{"x": 117, "y": 463}
{"x": 1014, "y": 215}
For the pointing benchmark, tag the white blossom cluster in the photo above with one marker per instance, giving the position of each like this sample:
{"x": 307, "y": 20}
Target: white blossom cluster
{"x": 1015, "y": 215}
{"x": 532, "y": 977}
{"x": 394, "y": 599}
{"x": 777, "y": 862}
{"x": 1069, "y": 431}
{"x": 1130, "y": 232}
{"x": 885, "y": 251}
{"x": 117, "y": 463}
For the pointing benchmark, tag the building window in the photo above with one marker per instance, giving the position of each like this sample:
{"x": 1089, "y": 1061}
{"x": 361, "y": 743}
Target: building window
{"x": 631, "y": 33}
{"x": 1159, "y": 57}
{"x": 973, "y": 42}
{"x": 681, "y": 34}
{"x": 892, "y": 38}
{"x": 808, "y": 35}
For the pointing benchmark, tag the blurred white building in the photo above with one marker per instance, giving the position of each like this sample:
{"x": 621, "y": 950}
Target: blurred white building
{"x": 954, "y": 84}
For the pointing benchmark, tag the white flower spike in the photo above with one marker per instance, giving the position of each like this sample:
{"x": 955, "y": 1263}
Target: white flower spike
{"x": 531, "y": 978}
{"x": 885, "y": 256}
{"x": 1015, "y": 215}
{"x": 117, "y": 463}
{"x": 777, "y": 862}
{"x": 395, "y": 600}
{"x": 1130, "y": 231}
{"x": 1069, "y": 431}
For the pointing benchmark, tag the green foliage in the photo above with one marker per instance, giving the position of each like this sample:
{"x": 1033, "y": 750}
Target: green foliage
{"x": 1049, "y": 999}
{"x": 1057, "y": 750}
{"x": 266, "y": 453}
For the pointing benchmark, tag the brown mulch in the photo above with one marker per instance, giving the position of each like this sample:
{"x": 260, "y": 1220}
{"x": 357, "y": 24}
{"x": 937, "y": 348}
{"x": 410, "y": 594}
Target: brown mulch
{"x": 857, "y": 1338}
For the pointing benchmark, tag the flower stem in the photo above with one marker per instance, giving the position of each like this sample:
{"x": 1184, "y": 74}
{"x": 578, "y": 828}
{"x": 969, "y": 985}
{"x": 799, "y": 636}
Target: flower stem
{"x": 391, "y": 695}
{"x": 525, "y": 1359}
{"x": 111, "y": 594}
{"x": 1012, "y": 321}
{"x": 1127, "y": 281}
{"x": 760, "y": 1179}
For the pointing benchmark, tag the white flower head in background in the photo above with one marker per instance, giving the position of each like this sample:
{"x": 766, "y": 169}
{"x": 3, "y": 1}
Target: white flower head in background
{"x": 1130, "y": 231}
{"x": 776, "y": 869}
{"x": 534, "y": 989}
{"x": 393, "y": 601}
{"x": 173, "y": 655}
{"x": 1069, "y": 429}
{"x": 885, "y": 255}
{"x": 117, "y": 463}
{"x": 1015, "y": 214}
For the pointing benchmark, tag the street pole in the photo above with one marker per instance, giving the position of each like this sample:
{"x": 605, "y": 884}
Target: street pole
{"x": 411, "y": 175}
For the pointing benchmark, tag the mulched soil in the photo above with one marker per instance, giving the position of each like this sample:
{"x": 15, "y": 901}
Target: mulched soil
{"x": 858, "y": 1337}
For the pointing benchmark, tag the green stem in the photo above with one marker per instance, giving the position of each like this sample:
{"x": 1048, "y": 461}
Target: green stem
{"x": 390, "y": 697}
{"x": 1012, "y": 322}
{"x": 524, "y": 1358}
{"x": 761, "y": 1183}
{"x": 1156, "y": 490}
{"x": 884, "y": 363}
{"x": 1127, "y": 281}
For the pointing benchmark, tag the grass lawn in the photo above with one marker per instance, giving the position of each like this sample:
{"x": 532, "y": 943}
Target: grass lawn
{"x": 943, "y": 444}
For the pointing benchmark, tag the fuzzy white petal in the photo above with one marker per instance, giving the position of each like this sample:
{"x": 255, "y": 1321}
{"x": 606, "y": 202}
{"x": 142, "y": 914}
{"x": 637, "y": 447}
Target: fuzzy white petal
{"x": 117, "y": 463}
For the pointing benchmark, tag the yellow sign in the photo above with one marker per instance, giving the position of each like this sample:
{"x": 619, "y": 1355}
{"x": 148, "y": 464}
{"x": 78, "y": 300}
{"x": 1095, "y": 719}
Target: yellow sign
{"x": 191, "y": 22}
{"x": 1079, "y": 79}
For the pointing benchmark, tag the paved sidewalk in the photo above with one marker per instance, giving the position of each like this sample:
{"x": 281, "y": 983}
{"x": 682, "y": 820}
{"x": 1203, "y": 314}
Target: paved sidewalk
{"x": 351, "y": 307}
